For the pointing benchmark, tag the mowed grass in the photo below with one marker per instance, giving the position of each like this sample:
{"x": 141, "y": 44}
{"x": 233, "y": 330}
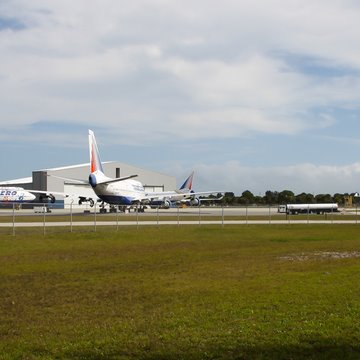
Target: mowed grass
{"x": 245, "y": 292}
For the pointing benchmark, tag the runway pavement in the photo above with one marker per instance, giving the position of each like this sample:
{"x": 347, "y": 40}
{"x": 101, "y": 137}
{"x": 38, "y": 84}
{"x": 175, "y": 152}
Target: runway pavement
{"x": 161, "y": 217}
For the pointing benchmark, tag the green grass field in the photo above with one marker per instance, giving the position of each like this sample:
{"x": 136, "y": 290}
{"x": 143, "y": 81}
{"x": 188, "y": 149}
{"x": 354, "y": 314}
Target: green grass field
{"x": 245, "y": 292}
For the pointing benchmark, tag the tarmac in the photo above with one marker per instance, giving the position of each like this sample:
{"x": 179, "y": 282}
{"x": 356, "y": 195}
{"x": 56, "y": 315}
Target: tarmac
{"x": 180, "y": 216}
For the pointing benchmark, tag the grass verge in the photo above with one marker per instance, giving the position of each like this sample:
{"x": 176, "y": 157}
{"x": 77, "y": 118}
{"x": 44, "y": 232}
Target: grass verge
{"x": 274, "y": 292}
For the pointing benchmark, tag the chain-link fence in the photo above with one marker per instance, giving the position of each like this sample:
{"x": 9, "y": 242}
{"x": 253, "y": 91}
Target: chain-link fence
{"x": 43, "y": 218}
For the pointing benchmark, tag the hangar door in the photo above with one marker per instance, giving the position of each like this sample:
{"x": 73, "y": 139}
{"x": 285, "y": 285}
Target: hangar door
{"x": 155, "y": 188}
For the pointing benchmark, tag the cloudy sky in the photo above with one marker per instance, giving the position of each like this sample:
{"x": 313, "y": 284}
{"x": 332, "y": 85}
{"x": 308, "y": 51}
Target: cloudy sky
{"x": 253, "y": 95}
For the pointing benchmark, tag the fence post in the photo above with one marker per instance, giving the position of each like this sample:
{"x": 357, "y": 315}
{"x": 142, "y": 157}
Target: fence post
{"x": 95, "y": 217}
{"x": 71, "y": 215}
{"x": 13, "y": 231}
{"x": 355, "y": 214}
{"x": 308, "y": 214}
{"x": 44, "y": 222}
{"x": 117, "y": 218}
{"x": 157, "y": 216}
{"x": 269, "y": 214}
{"x": 137, "y": 217}
{"x": 222, "y": 215}
{"x": 178, "y": 215}
{"x": 199, "y": 216}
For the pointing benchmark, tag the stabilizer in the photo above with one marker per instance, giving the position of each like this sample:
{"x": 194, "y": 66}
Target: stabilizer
{"x": 95, "y": 161}
{"x": 187, "y": 185}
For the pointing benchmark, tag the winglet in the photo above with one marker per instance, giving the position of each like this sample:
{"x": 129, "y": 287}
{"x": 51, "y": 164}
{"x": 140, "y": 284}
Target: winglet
{"x": 187, "y": 185}
{"x": 95, "y": 162}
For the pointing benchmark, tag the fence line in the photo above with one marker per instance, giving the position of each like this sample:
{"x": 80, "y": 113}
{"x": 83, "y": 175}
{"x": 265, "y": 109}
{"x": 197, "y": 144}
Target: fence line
{"x": 43, "y": 215}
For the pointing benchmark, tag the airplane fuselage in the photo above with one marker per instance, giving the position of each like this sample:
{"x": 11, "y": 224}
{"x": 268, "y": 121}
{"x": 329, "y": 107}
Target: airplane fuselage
{"x": 124, "y": 192}
{"x": 15, "y": 194}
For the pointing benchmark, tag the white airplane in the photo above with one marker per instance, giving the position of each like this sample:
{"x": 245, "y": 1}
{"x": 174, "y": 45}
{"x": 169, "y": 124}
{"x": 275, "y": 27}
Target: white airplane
{"x": 12, "y": 194}
{"x": 118, "y": 191}
{"x": 126, "y": 191}
{"x": 15, "y": 195}
{"x": 185, "y": 195}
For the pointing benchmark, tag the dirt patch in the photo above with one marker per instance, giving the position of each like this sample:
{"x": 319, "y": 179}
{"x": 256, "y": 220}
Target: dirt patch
{"x": 321, "y": 255}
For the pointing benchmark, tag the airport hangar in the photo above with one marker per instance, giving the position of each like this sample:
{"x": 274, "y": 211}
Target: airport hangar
{"x": 46, "y": 180}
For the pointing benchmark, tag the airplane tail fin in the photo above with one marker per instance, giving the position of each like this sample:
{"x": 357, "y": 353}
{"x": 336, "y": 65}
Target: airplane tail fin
{"x": 95, "y": 162}
{"x": 187, "y": 185}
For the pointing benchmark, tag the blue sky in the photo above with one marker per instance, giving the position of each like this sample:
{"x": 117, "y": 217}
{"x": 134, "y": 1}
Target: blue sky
{"x": 252, "y": 95}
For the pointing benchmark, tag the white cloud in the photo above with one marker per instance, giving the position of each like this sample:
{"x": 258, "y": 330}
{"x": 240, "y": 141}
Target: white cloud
{"x": 159, "y": 71}
{"x": 306, "y": 177}
{"x": 233, "y": 122}
{"x": 186, "y": 69}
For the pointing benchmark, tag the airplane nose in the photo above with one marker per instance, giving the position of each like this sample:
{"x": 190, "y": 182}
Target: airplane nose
{"x": 31, "y": 197}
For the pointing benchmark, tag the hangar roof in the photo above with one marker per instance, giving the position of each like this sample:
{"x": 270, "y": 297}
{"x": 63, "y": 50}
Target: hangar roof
{"x": 17, "y": 181}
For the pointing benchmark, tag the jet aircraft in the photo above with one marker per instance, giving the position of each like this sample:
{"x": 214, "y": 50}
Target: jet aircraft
{"x": 127, "y": 191}
{"x": 184, "y": 195}
{"x": 15, "y": 195}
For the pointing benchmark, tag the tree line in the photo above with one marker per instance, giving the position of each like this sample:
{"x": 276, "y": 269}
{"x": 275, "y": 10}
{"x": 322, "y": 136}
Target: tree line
{"x": 279, "y": 198}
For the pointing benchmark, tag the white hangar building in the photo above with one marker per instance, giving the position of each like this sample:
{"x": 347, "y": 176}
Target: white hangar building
{"x": 48, "y": 180}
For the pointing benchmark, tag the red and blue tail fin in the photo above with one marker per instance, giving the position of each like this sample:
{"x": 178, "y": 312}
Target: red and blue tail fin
{"x": 95, "y": 162}
{"x": 187, "y": 185}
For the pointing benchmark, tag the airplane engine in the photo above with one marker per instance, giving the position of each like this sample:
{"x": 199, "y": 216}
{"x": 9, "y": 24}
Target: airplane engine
{"x": 195, "y": 202}
{"x": 85, "y": 200}
{"x": 50, "y": 197}
{"x": 92, "y": 180}
{"x": 167, "y": 203}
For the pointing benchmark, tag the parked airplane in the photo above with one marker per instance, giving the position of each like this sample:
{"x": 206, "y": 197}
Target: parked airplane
{"x": 126, "y": 191}
{"x": 15, "y": 195}
{"x": 118, "y": 191}
{"x": 168, "y": 198}
{"x": 185, "y": 195}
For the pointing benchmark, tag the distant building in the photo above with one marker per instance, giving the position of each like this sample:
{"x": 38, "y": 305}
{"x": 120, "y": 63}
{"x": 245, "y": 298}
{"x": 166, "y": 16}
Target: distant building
{"x": 348, "y": 200}
{"x": 46, "y": 180}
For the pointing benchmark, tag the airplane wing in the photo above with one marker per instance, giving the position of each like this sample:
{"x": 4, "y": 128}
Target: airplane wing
{"x": 212, "y": 199}
{"x": 195, "y": 193}
{"x": 48, "y": 192}
{"x": 177, "y": 195}
{"x": 77, "y": 181}
{"x": 159, "y": 195}
{"x": 86, "y": 182}
{"x": 116, "y": 179}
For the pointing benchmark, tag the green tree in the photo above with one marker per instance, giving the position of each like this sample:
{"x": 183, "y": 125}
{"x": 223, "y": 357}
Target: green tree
{"x": 323, "y": 198}
{"x": 229, "y": 198}
{"x": 286, "y": 197}
{"x": 271, "y": 197}
{"x": 304, "y": 198}
{"x": 339, "y": 198}
{"x": 247, "y": 198}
